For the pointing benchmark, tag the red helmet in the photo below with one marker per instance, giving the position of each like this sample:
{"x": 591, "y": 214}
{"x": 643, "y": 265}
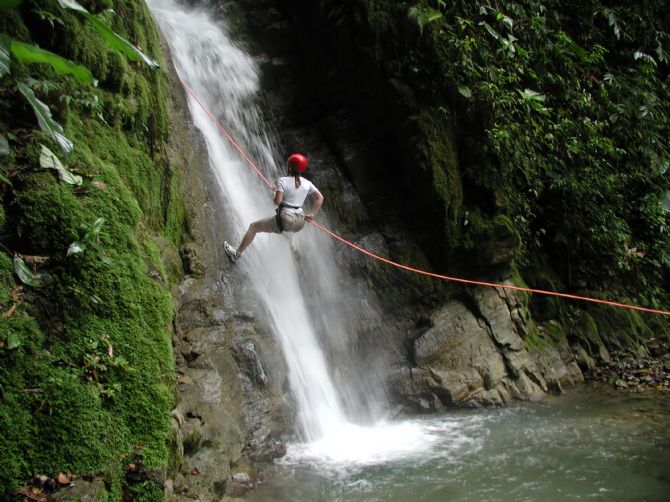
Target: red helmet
{"x": 298, "y": 162}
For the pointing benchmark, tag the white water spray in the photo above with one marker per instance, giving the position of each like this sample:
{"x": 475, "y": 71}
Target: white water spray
{"x": 225, "y": 79}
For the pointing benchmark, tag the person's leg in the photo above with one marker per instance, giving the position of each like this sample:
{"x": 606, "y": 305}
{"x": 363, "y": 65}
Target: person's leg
{"x": 260, "y": 226}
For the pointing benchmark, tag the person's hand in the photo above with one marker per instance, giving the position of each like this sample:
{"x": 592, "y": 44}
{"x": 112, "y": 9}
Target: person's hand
{"x": 309, "y": 217}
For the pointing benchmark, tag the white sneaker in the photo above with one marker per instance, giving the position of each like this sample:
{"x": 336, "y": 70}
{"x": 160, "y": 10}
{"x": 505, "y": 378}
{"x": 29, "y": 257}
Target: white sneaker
{"x": 231, "y": 252}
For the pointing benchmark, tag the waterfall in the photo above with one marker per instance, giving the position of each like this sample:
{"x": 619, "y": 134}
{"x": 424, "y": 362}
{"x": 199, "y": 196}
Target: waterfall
{"x": 225, "y": 79}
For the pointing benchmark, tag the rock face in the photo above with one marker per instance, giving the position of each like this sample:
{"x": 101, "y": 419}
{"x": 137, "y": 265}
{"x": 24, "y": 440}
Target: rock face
{"x": 474, "y": 354}
{"x": 229, "y": 404}
{"x": 468, "y": 359}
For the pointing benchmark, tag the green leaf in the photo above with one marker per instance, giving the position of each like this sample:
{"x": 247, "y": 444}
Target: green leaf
{"x": 97, "y": 226}
{"x": 532, "y": 95}
{"x": 120, "y": 43}
{"x": 9, "y": 3}
{"x": 465, "y": 91}
{"x": 645, "y": 57}
{"x": 13, "y": 340}
{"x": 4, "y": 145}
{"x": 665, "y": 201}
{"x": 113, "y": 39}
{"x": 44, "y": 119}
{"x": 491, "y": 31}
{"x": 48, "y": 160}
{"x": 5, "y": 42}
{"x": 423, "y": 16}
{"x": 76, "y": 248}
{"x": 25, "y": 274}
{"x": 30, "y": 54}
{"x": 71, "y": 4}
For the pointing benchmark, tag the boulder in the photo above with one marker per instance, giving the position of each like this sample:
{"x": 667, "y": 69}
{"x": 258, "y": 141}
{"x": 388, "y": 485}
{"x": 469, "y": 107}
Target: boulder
{"x": 478, "y": 359}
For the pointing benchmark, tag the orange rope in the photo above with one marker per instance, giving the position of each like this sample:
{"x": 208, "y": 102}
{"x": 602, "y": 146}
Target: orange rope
{"x": 416, "y": 270}
{"x": 229, "y": 137}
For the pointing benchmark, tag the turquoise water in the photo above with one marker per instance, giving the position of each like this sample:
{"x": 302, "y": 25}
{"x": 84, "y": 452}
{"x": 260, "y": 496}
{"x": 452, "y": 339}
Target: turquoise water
{"x": 586, "y": 444}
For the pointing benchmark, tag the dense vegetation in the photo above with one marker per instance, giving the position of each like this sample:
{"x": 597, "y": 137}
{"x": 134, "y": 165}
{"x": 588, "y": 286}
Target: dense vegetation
{"x": 564, "y": 115}
{"x": 86, "y": 367}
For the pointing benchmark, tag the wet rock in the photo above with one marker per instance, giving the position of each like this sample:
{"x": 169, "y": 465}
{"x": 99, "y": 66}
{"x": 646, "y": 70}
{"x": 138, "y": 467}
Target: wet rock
{"x": 413, "y": 388}
{"x": 471, "y": 359}
{"x": 558, "y": 366}
{"x": 239, "y": 484}
{"x": 82, "y": 491}
{"x": 583, "y": 359}
{"x": 496, "y": 306}
{"x": 248, "y": 360}
{"x": 190, "y": 262}
{"x": 454, "y": 388}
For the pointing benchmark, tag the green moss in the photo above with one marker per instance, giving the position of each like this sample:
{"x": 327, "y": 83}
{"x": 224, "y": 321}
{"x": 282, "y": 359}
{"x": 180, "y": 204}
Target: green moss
{"x": 48, "y": 213}
{"x": 147, "y": 491}
{"x": 536, "y": 340}
{"x": 12, "y": 23}
{"x": 93, "y": 374}
{"x": 555, "y": 331}
{"x": 544, "y": 307}
{"x": 438, "y": 165}
{"x": 439, "y": 157}
{"x": 624, "y": 328}
{"x": 585, "y": 330}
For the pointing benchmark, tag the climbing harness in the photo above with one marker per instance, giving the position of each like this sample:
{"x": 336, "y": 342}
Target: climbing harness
{"x": 278, "y": 220}
{"x": 405, "y": 267}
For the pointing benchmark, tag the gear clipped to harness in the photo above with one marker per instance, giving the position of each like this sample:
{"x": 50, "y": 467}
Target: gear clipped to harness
{"x": 298, "y": 162}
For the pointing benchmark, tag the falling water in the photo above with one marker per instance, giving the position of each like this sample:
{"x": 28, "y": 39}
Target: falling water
{"x": 225, "y": 79}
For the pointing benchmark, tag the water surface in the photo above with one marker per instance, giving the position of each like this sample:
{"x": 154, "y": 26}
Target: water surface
{"x": 586, "y": 444}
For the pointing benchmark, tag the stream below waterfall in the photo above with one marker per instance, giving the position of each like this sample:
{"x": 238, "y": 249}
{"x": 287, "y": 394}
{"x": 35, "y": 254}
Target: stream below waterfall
{"x": 589, "y": 443}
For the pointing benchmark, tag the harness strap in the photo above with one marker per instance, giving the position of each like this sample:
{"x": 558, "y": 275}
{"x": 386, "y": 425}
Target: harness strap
{"x": 280, "y": 227}
{"x": 289, "y": 206}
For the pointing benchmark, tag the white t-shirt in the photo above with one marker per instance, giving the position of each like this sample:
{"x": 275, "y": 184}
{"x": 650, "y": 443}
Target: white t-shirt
{"x": 295, "y": 196}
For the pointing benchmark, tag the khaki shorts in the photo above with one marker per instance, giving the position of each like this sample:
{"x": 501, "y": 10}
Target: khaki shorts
{"x": 291, "y": 221}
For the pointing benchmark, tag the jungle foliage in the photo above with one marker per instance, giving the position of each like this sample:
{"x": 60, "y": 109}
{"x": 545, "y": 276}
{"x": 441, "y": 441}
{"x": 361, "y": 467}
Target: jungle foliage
{"x": 567, "y": 107}
{"x": 86, "y": 367}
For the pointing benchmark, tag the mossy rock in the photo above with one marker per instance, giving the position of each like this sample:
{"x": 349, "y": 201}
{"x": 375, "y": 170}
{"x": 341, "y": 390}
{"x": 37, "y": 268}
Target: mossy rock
{"x": 495, "y": 240}
{"x": 92, "y": 374}
{"x": 544, "y": 307}
{"x": 555, "y": 331}
{"x": 621, "y": 328}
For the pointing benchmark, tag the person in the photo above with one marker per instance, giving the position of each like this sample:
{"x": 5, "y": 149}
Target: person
{"x": 290, "y": 194}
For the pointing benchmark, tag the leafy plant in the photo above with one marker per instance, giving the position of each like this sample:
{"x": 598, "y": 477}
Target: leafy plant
{"x": 30, "y": 54}
{"x": 90, "y": 240}
{"x": 49, "y": 160}
{"x": 99, "y": 361}
{"x": 26, "y": 275}
{"x": 49, "y": 17}
{"x": 45, "y": 120}
{"x": 4, "y": 54}
{"x": 113, "y": 39}
{"x": 574, "y": 106}
{"x": 4, "y": 145}
{"x": 423, "y": 16}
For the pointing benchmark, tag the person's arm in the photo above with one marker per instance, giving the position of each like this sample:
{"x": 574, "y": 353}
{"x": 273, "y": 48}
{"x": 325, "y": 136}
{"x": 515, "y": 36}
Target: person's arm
{"x": 279, "y": 192}
{"x": 318, "y": 200}
{"x": 279, "y": 196}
